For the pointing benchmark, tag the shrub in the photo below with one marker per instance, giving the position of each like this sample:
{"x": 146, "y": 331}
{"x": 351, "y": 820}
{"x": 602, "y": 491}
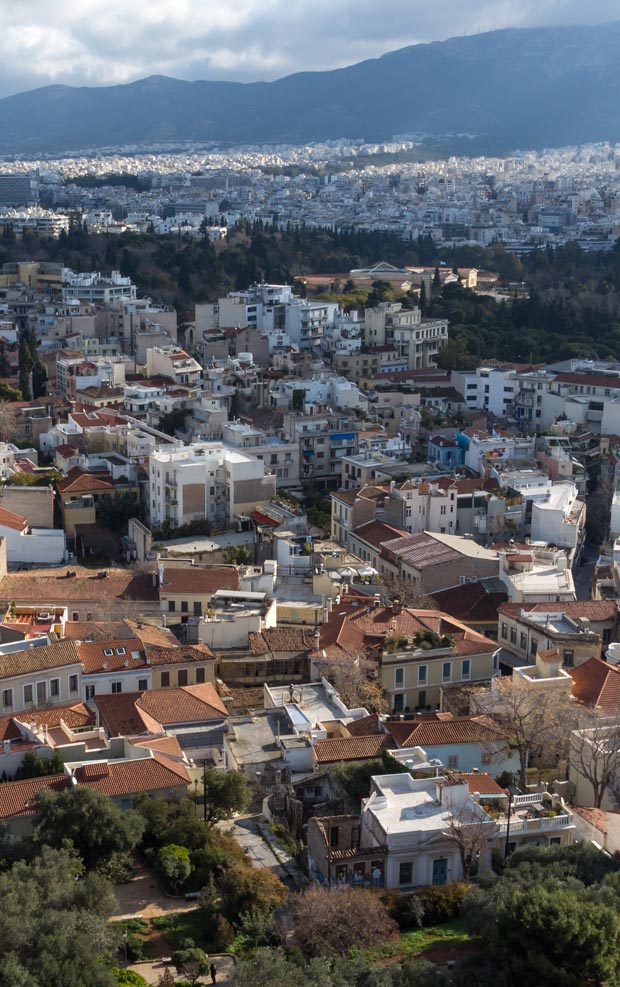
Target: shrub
{"x": 129, "y": 978}
{"x": 442, "y": 902}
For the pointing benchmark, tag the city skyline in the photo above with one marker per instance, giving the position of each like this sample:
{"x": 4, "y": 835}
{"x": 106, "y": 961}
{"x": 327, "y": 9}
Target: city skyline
{"x": 93, "y": 44}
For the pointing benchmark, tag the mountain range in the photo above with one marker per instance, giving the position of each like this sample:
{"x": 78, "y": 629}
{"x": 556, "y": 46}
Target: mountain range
{"x": 528, "y": 88}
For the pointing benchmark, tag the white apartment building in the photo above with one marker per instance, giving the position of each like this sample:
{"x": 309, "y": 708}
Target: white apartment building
{"x": 560, "y": 518}
{"x": 173, "y": 362}
{"x": 418, "y": 340}
{"x": 484, "y": 450}
{"x": 279, "y": 455}
{"x": 260, "y": 307}
{"x": 205, "y": 480}
{"x": 97, "y": 288}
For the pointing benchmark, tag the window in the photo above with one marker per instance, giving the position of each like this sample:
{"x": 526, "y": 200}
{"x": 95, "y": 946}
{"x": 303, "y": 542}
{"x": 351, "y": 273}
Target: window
{"x": 200, "y": 676}
{"x": 399, "y": 677}
{"x": 28, "y": 695}
{"x": 533, "y": 646}
{"x": 165, "y": 680}
{"x": 41, "y": 692}
{"x": 422, "y": 673}
{"x": 422, "y": 698}
{"x": 446, "y": 671}
{"x": 453, "y": 761}
{"x": 90, "y": 692}
{"x": 73, "y": 683}
{"x": 465, "y": 668}
{"x": 197, "y": 609}
{"x": 569, "y": 657}
{"x": 54, "y": 688}
{"x": 7, "y": 698}
{"x": 171, "y": 606}
{"x": 333, "y": 837}
{"x": 89, "y": 615}
{"x": 505, "y": 630}
{"x": 496, "y": 662}
{"x": 405, "y": 873}
{"x": 75, "y": 615}
{"x": 184, "y": 606}
{"x": 117, "y": 687}
{"x": 513, "y": 635}
{"x": 182, "y": 676}
{"x": 108, "y": 652}
{"x": 524, "y": 641}
{"x": 143, "y": 684}
{"x": 120, "y": 651}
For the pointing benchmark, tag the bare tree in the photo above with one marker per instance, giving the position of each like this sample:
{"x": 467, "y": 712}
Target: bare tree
{"x": 335, "y": 920}
{"x": 537, "y": 721}
{"x": 471, "y": 831}
{"x": 8, "y": 421}
{"x": 358, "y": 685}
{"x": 595, "y": 753}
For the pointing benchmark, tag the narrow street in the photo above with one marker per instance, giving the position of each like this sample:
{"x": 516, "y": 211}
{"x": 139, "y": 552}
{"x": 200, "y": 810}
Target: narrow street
{"x": 583, "y": 572}
{"x": 248, "y": 830}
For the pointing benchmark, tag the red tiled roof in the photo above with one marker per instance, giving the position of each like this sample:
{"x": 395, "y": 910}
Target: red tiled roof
{"x": 434, "y": 733}
{"x": 94, "y": 658}
{"x": 350, "y": 748}
{"x": 121, "y": 717}
{"x": 595, "y": 683}
{"x": 366, "y": 726}
{"x": 78, "y": 480}
{"x": 19, "y": 797}
{"x": 14, "y": 521}
{"x": 291, "y": 639}
{"x": 181, "y": 654}
{"x": 128, "y": 777}
{"x": 55, "y": 587}
{"x": 77, "y": 715}
{"x": 481, "y": 782}
{"x": 470, "y": 603}
{"x": 195, "y": 580}
{"x": 375, "y": 533}
{"x": 187, "y": 704}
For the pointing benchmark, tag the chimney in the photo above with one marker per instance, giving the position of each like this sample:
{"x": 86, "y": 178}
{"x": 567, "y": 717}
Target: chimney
{"x": 6, "y": 746}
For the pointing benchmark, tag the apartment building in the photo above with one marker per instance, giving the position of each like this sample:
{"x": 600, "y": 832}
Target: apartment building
{"x": 205, "y": 481}
{"x": 279, "y": 456}
{"x": 323, "y": 440}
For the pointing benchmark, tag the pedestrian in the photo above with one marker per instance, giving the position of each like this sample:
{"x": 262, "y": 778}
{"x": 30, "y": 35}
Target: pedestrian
{"x": 213, "y": 972}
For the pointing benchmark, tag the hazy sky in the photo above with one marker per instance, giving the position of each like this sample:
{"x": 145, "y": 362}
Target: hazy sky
{"x": 93, "y": 42}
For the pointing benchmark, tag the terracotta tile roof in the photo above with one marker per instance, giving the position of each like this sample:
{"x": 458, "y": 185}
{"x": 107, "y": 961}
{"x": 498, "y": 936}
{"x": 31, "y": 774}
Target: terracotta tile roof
{"x": 65, "y": 450}
{"x": 162, "y": 745}
{"x": 116, "y": 778}
{"x": 18, "y": 797}
{"x": 151, "y": 634}
{"x": 188, "y": 704}
{"x": 14, "y": 521}
{"x": 549, "y": 655}
{"x": 55, "y": 587}
{"x": 595, "y": 817}
{"x": 246, "y": 698}
{"x": 375, "y": 533}
{"x": 421, "y": 550}
{"x": 88, "y": 630}
{"x": 196, "y": 581}
{"x": 366, "y": 726}
{"x": 38, "y": 659}
{"x": 594, "y": 610}
{"x": 595, "y": 683}
{"x": 78, "y": 480}
{"x": 290, "y": 639}
{"x": 77, "y": 715}
{"x": 434, "y": 733}
{"x": 350, "y": 748}
{"x": 121, "y": 717}
{"x": 481, "y": 782}
{"x": 125, "y": 653}
{"x": 179, "y": 654}
{"x": 470, "y": 603}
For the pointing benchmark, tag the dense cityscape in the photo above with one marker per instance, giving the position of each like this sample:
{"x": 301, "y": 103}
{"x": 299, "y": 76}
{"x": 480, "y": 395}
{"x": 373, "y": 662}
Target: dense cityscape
{"x": 310, "y": 564}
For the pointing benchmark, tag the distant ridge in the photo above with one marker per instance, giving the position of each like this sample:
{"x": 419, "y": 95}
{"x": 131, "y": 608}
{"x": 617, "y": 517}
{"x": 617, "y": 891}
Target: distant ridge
{"x": 529, "y": 88}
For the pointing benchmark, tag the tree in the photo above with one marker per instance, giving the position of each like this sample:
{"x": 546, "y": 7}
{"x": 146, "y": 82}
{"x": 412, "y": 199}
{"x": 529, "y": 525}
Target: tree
{"x": 535, "y": 720}
{"x": 191, "y": 961}
{"x": 358, "y": 685}
{"x": 336, "y": 920}
{"x": 560, "y": 938}
{"x": 594, "y": 753}
{"x": 92, "y": 822}
{"x": 237, "y": 555}
{"x": 8, "y": 421}
{"x": 244, "y": 888}
{"x": 226, "y": 792}
{"x": 472, "y": 835}
{"x": 173, "y": 864}
{"x": 54, "y": 924}
{"x": 35, "y": 766}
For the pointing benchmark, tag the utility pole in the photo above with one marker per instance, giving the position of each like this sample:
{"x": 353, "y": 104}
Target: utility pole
{"x": 508, "y": 825}
{"x": 204, "y": 791}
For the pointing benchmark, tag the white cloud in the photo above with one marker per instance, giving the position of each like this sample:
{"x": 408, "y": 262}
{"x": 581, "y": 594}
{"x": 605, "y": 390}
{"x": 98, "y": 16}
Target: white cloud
{"x": 90, "y": 42}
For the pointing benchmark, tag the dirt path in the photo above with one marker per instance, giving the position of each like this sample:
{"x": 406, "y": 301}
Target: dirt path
{"x": 142, "y": 896}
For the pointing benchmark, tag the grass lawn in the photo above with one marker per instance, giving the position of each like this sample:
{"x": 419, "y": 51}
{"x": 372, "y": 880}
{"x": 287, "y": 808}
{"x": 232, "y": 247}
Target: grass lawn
{"x": 182, "y": 925}
{"x": 452, "y": 934}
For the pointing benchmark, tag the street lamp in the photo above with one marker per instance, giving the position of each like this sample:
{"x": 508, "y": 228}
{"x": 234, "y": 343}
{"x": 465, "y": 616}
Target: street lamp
{"x": 125, "y": 936}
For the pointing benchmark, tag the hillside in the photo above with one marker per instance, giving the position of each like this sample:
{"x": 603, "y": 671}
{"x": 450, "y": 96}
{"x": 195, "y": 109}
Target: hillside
{"x": 529, "y": 87}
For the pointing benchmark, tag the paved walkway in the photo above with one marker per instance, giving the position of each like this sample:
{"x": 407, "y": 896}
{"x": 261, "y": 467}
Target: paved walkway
{"x": 142, "y": 897}
{"x": 261, "y": 846}
{"x": 152, "y": 971}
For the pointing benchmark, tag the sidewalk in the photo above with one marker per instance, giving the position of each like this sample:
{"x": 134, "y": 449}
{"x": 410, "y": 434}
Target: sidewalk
{"x": 151, "y": 971}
